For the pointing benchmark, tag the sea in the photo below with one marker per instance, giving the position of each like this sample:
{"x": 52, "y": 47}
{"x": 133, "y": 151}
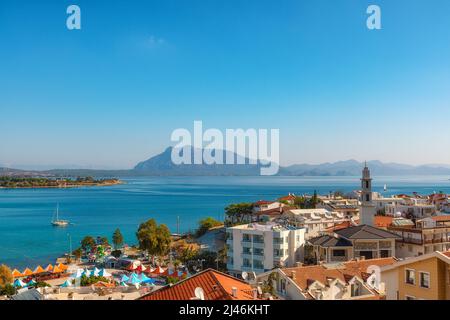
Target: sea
{"x": 27, "y": 238}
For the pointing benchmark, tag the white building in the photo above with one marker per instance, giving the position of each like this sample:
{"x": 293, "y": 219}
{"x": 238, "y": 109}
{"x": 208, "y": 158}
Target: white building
{"x": 315, "y": 221}
{"x": 257, "y": 247}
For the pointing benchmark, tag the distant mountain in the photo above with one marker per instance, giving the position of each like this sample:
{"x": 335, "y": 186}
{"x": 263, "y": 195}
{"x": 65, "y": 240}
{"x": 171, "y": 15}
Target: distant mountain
{"x": 161, "y": 165}
{"x": 353, "y": 168}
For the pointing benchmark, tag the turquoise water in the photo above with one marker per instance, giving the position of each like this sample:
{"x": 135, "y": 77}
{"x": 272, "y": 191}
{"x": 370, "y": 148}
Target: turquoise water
{"x": 28, "y": 239}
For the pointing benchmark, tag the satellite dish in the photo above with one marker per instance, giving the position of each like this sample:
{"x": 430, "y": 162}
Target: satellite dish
{"x": 199, "y": 293}
{"x": 244, "y": 275}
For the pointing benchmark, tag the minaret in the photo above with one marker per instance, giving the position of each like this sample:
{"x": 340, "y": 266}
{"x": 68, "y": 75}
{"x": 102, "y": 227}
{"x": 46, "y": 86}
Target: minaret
{"x": 367, "y": 211}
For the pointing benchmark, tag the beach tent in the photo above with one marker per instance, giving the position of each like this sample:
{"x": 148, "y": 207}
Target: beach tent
{"x": 160, "y": 270}
{"x": 27, "y": 272}
{"x": 134, "y": 279}
{"x": 143, "y": 277}
{"x": 18, "y": 284}
{"x": 31, "y": 283}
{"x": 96, "y": 272}
{"x": 16, "y": 273}
{"x": 87, "y": 273}
{"x": 57, "y": 270}
{"x": 49, "y": 268}
{"x": 66, "y": 284}
{"x": 38, "y": 270}
{"x": 77, "y": 274}
{"x": 123, "y": 284}
{"x": 104, "y": 273}
{"x": 62, "y": 267}
{"x": 124, "y": 278}
{"x": 140, "y": 268}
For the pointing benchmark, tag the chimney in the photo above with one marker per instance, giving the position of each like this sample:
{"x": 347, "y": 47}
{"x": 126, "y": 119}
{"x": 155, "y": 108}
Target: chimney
{"x": 293, "y": 275}
{"x": 234, "y": 292}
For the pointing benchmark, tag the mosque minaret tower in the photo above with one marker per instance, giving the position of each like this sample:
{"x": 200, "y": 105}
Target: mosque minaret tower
{"x": 367, "y": 211}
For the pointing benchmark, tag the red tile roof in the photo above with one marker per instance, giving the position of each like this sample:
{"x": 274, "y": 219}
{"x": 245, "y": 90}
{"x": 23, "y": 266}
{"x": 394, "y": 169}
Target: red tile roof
{"x": 262, "y": 202}
{"x": 382, "y": 221}
{"x": 441, "y": 218}
{"x": 342, "y": 225}
{"x": 216, "y": 286}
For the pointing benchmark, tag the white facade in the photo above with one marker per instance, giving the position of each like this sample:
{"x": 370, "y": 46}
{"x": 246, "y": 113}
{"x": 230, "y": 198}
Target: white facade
{"x": 315, "y": 221}
{"x": 260, "y": 247}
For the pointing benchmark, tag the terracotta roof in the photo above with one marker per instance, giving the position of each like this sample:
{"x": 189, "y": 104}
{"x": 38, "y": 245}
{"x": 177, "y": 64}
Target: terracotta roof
{"x": 305, "y": 276}
{"x": 340, "y": 226}
{"x": 288, "y": 197}
{"x": 262, "y": 202}
{"x": 382, "y": 221}
{"x": 362, "y": 265}
{"x": 441, "y": 218}
{"x": 216, "y": 286}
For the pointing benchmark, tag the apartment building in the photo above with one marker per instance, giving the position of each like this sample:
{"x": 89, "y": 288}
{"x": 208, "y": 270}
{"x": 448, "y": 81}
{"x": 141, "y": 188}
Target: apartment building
{"x": 258, "y": 247}
{"x": 315, "y": 221}
{"x": 422, "y": 236}
{"x": 353, "y": 280}
{"x": 426, "y": 277}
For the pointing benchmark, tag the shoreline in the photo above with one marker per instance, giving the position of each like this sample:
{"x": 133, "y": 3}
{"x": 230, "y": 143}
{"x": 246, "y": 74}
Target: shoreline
{"x": 108, "y": 184}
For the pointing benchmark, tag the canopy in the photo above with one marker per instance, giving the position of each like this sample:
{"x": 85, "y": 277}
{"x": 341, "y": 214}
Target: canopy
{"x": 96, "y": 272}
{"x": 18, "y": 284}
{"x": 38, "y": 270}
{"x": 77, "y": 274}
{"x": 62, "y": 267}
{"x": 16, "y": 273}
{"x": 123, "y": 284}
{"x": 160, "y": 270}
{"x": 57, "y": 270}
{"x": 124, "y": 278}
{"x": 134, "y": 279}
{"x": 104, "y": 273}
{"x": 143, "y": 278}
{"x": 49, "y": 268}
{"x": 141, "y": 268}
{"x": 31, "y": 283}
{"x": 66, "y": 284}
{"x": 27, "y": 272}
{"x": 87, "y": 273}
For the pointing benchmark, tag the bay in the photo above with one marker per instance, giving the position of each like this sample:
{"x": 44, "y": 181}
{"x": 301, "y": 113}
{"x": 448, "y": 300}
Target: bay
{"x": 28, "y": 239}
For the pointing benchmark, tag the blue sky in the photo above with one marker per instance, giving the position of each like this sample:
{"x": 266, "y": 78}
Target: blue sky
{"x": 109, "y": 95}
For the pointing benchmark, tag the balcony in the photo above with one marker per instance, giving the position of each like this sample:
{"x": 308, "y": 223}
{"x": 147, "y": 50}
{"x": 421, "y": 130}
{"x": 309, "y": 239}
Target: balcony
{"x": 412, "y": 241}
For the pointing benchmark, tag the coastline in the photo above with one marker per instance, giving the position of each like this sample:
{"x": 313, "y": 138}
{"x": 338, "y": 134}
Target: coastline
{"x": 71, "y": 186}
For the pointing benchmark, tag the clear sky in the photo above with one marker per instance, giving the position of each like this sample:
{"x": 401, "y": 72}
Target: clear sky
{"x": 109, "y": 95}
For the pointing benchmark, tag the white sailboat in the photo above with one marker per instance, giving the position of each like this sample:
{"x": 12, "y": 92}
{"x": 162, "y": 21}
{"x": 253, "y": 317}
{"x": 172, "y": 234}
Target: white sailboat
{"x": 57, "y": 222}
{"x": 385, "y": 187}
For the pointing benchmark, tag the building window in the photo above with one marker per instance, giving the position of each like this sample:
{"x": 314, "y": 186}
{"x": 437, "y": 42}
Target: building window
{"x": 410, "y": 276}
{"x": 338, "y": 253}
{"x": 367, "y": 197}
{"x": 355, "y": 290}
{"x": 425, "y": 280}
{"x": 410, "y": 298}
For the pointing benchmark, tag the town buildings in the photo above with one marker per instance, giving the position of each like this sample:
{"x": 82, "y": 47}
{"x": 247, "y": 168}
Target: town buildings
{"x": 354, "y": 242}
{"x": 426, "y": 277}
{"x": 258, "y": 247}
{"x": 206, "y": 285}
{"x": 353, "y": 280}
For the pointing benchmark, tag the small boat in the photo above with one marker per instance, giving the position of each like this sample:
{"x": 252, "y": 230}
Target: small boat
{"x": 57, "y": 222}
{"x": 385, "y": 187}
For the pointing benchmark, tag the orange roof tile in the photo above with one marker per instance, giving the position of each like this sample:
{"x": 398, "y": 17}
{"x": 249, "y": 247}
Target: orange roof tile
{"x": 441, "y": 218}
{"x": 382, "y": 221}
{"x": 216, "y": 286}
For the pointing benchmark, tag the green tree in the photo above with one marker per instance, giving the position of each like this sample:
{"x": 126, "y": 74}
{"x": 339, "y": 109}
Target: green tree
{"x": 314, "y": 200}
{"x": 7, "y": 290}
{"x": 6, "y": 276}
{"x": 117, "y": 238}
{"x": 87, "y": 243}
{"x": 237, "y": 213}
{"x": 154, "y": 238}
{"x": 205, "y": 224}
{"x": 104, "y": 241}
{"x": 77, "y": 253}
